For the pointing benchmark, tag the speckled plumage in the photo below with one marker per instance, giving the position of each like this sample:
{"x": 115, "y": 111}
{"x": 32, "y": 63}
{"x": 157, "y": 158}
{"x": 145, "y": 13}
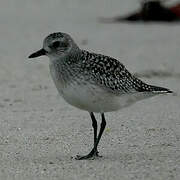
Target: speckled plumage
{"x": 110, "y": 73}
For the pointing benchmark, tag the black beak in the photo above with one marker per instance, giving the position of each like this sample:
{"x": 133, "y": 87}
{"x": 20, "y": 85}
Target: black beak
{"x": 41, "y": 52}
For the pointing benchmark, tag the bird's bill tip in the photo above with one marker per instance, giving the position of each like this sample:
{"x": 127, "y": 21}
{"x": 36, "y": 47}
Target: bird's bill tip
{"x": 41, "y": 52}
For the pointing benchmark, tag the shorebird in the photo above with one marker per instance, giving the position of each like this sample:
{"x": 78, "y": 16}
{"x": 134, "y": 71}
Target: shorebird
{"x": 92, "y": 82}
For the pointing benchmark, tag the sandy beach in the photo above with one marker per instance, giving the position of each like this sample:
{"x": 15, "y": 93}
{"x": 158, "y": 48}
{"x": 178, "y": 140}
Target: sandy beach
{"x": 40, "y": 133}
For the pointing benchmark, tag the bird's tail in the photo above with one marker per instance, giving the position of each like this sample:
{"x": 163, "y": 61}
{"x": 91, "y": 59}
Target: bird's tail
{"x": 159, "y": 90}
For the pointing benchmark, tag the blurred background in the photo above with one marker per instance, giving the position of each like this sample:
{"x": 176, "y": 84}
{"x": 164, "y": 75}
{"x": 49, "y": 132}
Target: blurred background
{"x": 24, "y": 24}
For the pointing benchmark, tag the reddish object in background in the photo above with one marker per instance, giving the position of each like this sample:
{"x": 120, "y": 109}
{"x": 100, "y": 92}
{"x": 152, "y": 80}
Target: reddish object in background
{"x": 150, "y": 11}
{"x": 176, "y": 9}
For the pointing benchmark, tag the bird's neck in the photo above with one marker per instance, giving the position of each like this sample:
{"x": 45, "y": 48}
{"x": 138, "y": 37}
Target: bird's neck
{"x": 66, "y": 66}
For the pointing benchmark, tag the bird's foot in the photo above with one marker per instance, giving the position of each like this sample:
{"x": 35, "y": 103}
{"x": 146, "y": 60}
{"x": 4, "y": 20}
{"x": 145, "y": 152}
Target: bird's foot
{"x": 92, "y": 155}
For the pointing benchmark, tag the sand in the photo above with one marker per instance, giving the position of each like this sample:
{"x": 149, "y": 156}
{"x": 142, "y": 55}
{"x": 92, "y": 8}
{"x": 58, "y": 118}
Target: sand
{"x": 40, "y": 133}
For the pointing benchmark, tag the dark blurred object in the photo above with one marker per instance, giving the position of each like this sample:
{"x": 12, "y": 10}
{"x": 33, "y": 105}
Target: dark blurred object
{"x": 152, "y": 10}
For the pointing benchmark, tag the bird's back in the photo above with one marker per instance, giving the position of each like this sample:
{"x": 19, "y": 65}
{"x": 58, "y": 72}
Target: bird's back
{"x": 112, "y": 75}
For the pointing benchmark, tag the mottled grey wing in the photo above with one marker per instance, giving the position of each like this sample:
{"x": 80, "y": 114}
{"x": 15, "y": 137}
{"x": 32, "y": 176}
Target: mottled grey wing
{"x": 110, "y": 73}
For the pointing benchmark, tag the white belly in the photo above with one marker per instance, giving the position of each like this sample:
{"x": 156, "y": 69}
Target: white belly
{"x": 89, "y": 98}
{"x": 95, "y": 99}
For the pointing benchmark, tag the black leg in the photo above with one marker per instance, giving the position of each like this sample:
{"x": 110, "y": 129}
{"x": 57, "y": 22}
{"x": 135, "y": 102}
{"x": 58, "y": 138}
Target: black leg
{"x": 103, "y": 125}
{"x": 94, "y": 125}
{"x": 94, "y": 152}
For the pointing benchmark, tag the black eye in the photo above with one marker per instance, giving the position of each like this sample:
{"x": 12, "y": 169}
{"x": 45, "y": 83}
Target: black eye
{"x": 55, "y": 44}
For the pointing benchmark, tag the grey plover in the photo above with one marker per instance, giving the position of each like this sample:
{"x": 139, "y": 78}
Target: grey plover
{"x": 92, "y": 82}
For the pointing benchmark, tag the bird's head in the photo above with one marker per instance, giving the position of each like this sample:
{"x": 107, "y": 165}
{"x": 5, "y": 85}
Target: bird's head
{"x": 56, "y": 45}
